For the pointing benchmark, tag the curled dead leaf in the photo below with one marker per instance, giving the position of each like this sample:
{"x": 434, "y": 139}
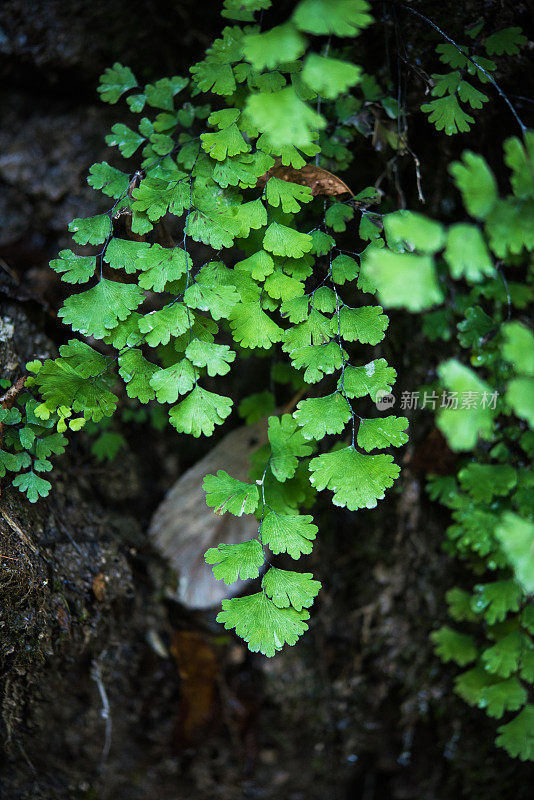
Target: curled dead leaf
{"x": 319, "y": 180}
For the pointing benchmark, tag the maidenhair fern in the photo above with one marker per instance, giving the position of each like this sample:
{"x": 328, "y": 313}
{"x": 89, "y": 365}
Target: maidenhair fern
{"x": 236, "y": 177}
{"x": 485, "y": 408}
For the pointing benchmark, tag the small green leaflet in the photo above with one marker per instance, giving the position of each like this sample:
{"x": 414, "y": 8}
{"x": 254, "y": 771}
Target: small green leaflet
{"x": 366, "y": 324}
{"x": 357, "y": 480}
{"x": 516, "y": 536}
{"x": 288, "y": 195}
{"x": 291, "y": 533}
{"x": 95, "y": 311}
{"x": 32, "y": 485}
{"x": 447, "y": 115}
{"x": 161, "y": 93}
{"x": 406, "y": 230}
{"x": 463, "y": 426}
{"x": 261, "y": 624}
{"x": 518, "y": 347}
{"x": 453, "y": 646}
{"x": 252, "y": 327}
{"x": 111, "y": 181}
{"x": 503, "y": 658}
{"x": 376, "y": 434}
{"x": 337, "y": 17}
{"x": 232, "y": 562}
{"x": 115, "y": 81}
{"x": 229, "y": 494}
{"x": 495, "y": 600}
{"x": 137, "y": 373}
{"x": 73, "y": 268}
{"x": 284, "y": 241}
{"x": 267, "y": 50}
{"x": 321, "y": 415}
{"x": 159, "y": 326}
{"x": 284, "y": 118}
{"x": 61, "y": 385}
{"x": 124, "y": 138}
{"x": 329, "y": 77}
{"x": 287, "y": 445}
{"x": 200, "y": 412}
{"x": 93, "y": 230}
{"x": 124, "y": 254}
{"x": 517, "y": 736}
{"x": 286, "y": 588}
{"x": 403, "y": 280}
{"x": 484, "y": 481}
{"x": 336, "y": 217}
{"x": 226, "y": 143}
{"x": 173, "y": 381}
{"x": 475, "y": 181}
{"x": 344, "y": 268}
{"x": 160, "y": 265}
{"x": 318, "y": 360}
{"x": 467, "y": 255}
{"x": 215, "y": 357}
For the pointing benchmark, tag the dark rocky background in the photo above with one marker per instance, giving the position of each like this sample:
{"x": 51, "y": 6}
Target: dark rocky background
{"x": 109, "y": 688}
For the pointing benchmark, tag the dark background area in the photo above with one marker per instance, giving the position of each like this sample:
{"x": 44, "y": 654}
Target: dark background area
{"x": 360, "y": 708}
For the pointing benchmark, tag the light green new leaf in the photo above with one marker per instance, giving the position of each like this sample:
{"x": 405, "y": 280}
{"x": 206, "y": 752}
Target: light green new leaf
{"x": 288, "y": 533}
{"x": 516, "y": 536}
{"x": 463, "y": 426}
{"x": 322, "y": 243}
{"x": 225, "y": 493}
{"x": 264, "y": 627}
{"x": 93, "y": 230}
{"x": 376, "y": 434}
{"x": 339, "y": 17}
{"x": 200, "y": 412}
{"x": 215, "y": 357}
{"x": 475, "y": 181}
{"x": 451, "y": 645}
{"x": 136, "y": 373}
{"x": 518, "y": 347}
{"x": 267, "y": 50}
{"x": 258, "y": 265}
{"x": 357, "y": 480}
{"x": 287, "y": 446}
{"x": 319, "y": 416}
{"x": 226, "y": 143}
{"x": 251, "y": 327}
{"x": 284, "y": 241}
{"x": 329, "y": 77}
{"x": 160, "y": 265}
{"x": 318, "y": 360}
{"x": 369, "y": 379}
{"x": 517, "y": 736}
{"x": 115, "y": 81}
{"x": 251, "y": 216}
{"x": 403, "y": 280}
{"x": 287, "y": 588}
{"x": 32, "y": 485}
{"x": 366, "y": 325}
{"x": 124, "y": 254}
{"x": 96, "y": 311}
{"x": 124, "y": 138}
{"x": 111, "y": 181}
{"x": 234, "y": 562}
{"x": 73, "y": 268}
{"x": 284, "y": 118}
{"x": 173, "y": 381}
{"x": 159, "y": 326}
{"x": 288, "y": 195}
{"x": 212, "y": 76}
{"x": 161, "y": 93}
{"x": 467, "y": 255}
{"x": 344, "y": 268}
{"x": 406, "y": 230}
